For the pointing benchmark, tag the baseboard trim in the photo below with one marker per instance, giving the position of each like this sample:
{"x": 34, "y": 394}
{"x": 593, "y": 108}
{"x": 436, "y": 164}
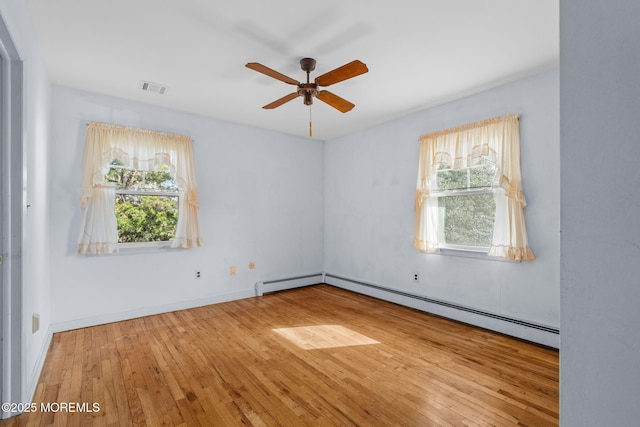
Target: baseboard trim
{"x": 537, "y": 333}
{"x": 34, "y": 377}
{"x": 541, "y": 334}
{"x": 147, "y": 311}
{"x": 289, "y": 283}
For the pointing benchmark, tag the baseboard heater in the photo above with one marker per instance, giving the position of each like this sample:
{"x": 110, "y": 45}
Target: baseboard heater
{"x": 289, "y": 283}
{"x": 541, "y": 334}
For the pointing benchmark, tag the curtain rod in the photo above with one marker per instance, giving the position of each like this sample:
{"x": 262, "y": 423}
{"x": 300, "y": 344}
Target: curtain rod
{"x": 148, "y": 131}
{"x": 472, "y": 125}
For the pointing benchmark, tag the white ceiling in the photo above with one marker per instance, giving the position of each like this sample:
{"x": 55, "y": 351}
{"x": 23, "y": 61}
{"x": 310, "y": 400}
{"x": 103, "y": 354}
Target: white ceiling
{"x": 419, "y": 53}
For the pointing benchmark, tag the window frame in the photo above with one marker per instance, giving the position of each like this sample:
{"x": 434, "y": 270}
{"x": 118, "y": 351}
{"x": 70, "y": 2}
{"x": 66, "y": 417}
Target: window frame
{"x": 465, "y": 248}
{"x": 469, "y": 191}
{"x": 472, "y": 252}
{"x": 148, "y": 245}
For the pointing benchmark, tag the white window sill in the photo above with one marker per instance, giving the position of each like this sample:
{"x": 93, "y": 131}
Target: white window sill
{"x": 475, "y": 253}
{"x": 144, "y": 248}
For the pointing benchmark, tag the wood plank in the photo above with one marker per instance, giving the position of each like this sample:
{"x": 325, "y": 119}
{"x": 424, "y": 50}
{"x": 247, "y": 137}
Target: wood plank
{"x": 309, "y": 356}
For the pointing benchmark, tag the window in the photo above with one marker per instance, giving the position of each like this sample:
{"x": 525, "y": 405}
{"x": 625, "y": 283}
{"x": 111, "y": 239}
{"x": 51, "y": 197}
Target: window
{"x": 469, "y": 191}
{"x": 146, "y": 203}
{"x": 466, "y": 206}
{"x": 138, "y": 188}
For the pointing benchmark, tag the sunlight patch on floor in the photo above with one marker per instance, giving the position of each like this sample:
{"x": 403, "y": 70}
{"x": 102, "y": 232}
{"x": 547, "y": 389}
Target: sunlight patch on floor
{"x": 324, "y": 336}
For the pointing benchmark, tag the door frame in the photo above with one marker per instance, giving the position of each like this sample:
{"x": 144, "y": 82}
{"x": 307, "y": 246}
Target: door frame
{"x": 12, "y": 211}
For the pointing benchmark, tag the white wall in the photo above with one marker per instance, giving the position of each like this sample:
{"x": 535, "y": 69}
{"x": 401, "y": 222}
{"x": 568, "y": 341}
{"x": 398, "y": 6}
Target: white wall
{"x": 370, "y": 181}
{"x": 36, "y": 281}
{"x": 600, "y": 159}
{"x": 261, "y": 198}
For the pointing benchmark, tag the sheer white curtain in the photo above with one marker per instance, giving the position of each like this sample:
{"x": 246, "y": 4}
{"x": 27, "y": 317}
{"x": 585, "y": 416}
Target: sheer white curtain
{"x": 137, "y": 149}
{"x": 497, "y": 139}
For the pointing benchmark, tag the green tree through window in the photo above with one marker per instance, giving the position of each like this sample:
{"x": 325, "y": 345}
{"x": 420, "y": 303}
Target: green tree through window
{"x": 466, "y": 204}
{"x": 146, "y": 205}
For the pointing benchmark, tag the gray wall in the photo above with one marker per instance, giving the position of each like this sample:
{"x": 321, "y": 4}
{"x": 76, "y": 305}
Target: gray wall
{"x": 600, "y": 159}
{"x": 261, "y": 201}
{"x": 370, "y": 181}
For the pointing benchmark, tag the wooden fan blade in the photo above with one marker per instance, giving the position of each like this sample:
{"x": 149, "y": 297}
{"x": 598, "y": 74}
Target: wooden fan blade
{"x": 335, "y": 101}
{"x": 271, "y": 73}
{"x": 347, "y": 71}
{"x": 281, "y": 101}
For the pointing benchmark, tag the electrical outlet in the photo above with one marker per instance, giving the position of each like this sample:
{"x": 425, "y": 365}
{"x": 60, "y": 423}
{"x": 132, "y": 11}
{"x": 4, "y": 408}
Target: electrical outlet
{"x": 198, "y": 274}
{"x": 232, "y": 271}
{"x": 416, "y": 278}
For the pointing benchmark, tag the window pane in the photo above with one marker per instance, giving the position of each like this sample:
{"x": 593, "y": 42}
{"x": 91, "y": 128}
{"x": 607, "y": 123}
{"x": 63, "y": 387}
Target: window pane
{"x": 449, "y": 179}
{"x": 131, "y": 179}
{"x": 146, "y": 218}
{"x": 124, "y": 178}
{"x": 480, "y": 175}
{"x": 160, "y": 179}
{"x": 467, "y": 220}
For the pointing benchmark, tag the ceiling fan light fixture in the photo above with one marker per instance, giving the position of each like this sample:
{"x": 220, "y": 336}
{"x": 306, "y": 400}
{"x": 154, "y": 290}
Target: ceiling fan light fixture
{"x": 307, "y": 91}
{"x": 308, "y": 98}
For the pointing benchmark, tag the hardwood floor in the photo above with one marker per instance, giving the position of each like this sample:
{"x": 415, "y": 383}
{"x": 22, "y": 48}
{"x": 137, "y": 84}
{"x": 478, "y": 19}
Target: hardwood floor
{"x": 312, "y": 356}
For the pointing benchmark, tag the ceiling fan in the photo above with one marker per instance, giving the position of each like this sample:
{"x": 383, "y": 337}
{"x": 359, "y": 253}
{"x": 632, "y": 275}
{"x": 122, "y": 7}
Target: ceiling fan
{"x": 310, "y": 90}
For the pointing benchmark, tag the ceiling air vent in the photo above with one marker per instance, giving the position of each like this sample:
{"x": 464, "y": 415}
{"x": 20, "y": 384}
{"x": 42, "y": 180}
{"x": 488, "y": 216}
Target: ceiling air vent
{"x": 153, "y": 87}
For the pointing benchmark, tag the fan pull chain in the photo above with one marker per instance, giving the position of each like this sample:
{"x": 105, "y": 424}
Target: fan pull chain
{"x": 310, "y": 126}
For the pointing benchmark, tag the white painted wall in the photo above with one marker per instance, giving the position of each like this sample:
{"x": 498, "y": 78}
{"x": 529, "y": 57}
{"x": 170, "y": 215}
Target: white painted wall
{"x": 600, "y": 159}
{"x": 261, "y": 198}
{"x": 370, "y": 181}
{"x": 36, "y": 280}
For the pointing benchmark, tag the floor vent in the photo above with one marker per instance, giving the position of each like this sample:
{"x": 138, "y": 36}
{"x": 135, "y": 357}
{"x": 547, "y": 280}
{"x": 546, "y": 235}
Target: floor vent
{"x": 153, "y": 87}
